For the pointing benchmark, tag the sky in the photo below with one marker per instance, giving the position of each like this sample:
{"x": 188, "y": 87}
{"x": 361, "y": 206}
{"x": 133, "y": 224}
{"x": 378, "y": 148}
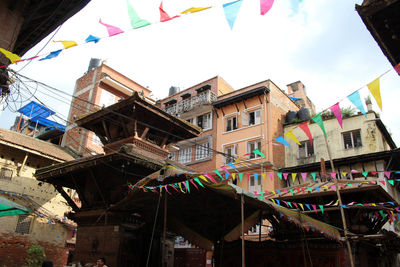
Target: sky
{"x": 324, "y": 44}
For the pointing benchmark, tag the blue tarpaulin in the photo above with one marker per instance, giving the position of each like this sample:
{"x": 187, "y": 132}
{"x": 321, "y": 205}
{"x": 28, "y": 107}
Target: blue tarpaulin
{"x": 294, "y": 98}
{"x": 36, "y": 110}
{"x": 49, "y": 124}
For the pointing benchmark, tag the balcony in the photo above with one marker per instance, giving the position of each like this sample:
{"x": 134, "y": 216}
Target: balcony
{"x": 203, "y": 98}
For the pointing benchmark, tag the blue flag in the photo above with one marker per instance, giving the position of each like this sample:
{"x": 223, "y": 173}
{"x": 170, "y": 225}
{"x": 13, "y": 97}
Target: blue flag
{"x": 231, "y": 11}
{"x": 356, "y": 100}
{"x": 92, "y": 38}
{"x": 51, "y": 55}
{"x": 281, "y": 140}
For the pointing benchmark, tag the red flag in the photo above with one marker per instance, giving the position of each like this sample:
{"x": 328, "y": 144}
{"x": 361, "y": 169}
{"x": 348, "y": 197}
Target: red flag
{"x": 305, "y": 128}
{"x": 397, "y": 68}
{"x": 163, "y": 15}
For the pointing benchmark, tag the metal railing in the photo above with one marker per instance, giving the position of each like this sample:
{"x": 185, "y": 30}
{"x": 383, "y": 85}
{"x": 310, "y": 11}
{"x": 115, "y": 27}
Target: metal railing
{"x": 203, "y": 98}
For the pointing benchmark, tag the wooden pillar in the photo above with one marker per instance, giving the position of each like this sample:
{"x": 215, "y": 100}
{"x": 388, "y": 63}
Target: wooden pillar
{"x": 243, "y": 243}
{"x": 340, "y": 206}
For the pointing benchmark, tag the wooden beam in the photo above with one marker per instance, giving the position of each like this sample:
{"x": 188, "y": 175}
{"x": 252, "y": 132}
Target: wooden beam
{"x": 144, "y": 132}
{"x": 244, "y": 103}
{"x": 97, "y": 187}
{"x": 124, "y": 128}
{"x": 80, "y": 193}
{"x": 67, "y": 198}
{"x": 107, "y": 132}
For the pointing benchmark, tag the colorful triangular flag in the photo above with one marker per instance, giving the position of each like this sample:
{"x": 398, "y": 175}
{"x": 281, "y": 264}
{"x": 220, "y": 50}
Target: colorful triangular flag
{"x": 164, "y": 15}
{"x": 51, "y": 55}
{"x": 92, "y": 38}
{"x": 356, "y": 100}
{"x": 291, "y": 135}
{"x": 231, "y": 11}
{"x": 112, "y": 30}
{"x": 338, "y": 113}
{"x": 11, "y": 56}
{"x": 318, "y": 120}
{"x": 281, "y": 140}
{"x": 67, "y": 44}
{"x": 265, "y": 6}
{"x": 306, "y": 130}
{"x": 136, "y": 21}
{"x": 194, "y": 10}
{"x": 375, "y": 90}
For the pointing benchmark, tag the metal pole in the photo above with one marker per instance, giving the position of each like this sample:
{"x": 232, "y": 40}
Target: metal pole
{"x": 340, "y": 206}
{"x": 243, "y": 243}
{"x": 164, "y": 248}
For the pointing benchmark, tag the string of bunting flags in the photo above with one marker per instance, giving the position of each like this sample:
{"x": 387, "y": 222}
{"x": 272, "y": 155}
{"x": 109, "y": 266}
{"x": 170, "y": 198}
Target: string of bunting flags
{"x": 44, "y": 216}
{"x": 231, "y": 11}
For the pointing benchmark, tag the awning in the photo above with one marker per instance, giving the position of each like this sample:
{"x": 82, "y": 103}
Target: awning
{"x": 211, "y": 212}
{"x": 49, "y": 123}
{"x": 9, "y": 208}
{"x": 35, "y": 110}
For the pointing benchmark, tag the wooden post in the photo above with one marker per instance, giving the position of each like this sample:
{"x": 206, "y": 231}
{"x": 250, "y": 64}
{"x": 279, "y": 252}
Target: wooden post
{"x": 243, "y": 243}
{"x": 340, "y": 205}
{"x": 23, "y": 164}
{"x": 164, "y": 248}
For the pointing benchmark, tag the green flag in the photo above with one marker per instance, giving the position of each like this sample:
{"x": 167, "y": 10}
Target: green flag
{"x": 136, "y": 21}
{"x": 318, "y": 120}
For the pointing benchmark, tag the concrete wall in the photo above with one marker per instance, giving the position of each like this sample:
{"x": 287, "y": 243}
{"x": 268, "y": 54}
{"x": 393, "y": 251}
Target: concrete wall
{"x": 372, "y": 139}
{"x": 273, "y": 107}
{"x": 52, "y": 237}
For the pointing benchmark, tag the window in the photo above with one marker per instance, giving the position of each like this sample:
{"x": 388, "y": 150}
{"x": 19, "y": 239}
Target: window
{"x": 251, "y": 146}
{"x": 305, "y": 149}
{"x": 204, "y": 121}
{"x": 185, "y": 155}
{"x": 203, "y": 151}
{"x": 251, "y": 117}
{"x": 106, "y": 98}
{"x": 230, "y": 153}
{"x": 231, "y": 124}
{"x": 6, "y": 174}
{"x": 254, "y": 184}
{"x": 190, "y": 120}
{"x": 352, "y": 139}
{"x": 23, "y": 224}
{"x": 171, "y": 156}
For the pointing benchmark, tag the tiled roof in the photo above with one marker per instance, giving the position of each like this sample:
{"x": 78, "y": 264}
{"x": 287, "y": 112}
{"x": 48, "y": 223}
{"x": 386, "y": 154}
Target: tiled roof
{"x": 42, "y": 147}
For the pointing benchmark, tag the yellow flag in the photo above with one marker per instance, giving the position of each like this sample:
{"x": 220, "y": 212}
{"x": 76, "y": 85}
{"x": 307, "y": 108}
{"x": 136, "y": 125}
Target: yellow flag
{"x": 194, "y": 9}
{"x": 203, "y": 178}
{"x": 344, "y": 174}
{"x": 11, "y": 56}
{"x": 263, "y": 175}
{"x": 301, "y": 205}
{"x": 291, "y": 135}
{"x": 67, "y": 44}
{"x": 233, "y": 176}
{"x": 376, "y": 92}
{"x": 294, "y": 174}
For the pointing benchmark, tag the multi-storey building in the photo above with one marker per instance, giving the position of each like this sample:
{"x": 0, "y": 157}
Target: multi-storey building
{"x": 249, "y": 119}
{"x": 194, "y": 105}
{"x": 100, "y": 87}
{"x": 297, "y": 91}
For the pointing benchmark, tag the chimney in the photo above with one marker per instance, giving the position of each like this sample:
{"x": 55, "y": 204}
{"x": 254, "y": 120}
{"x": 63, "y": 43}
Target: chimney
{"x": 173, "y": 90}
{"x": 369, "y": 104}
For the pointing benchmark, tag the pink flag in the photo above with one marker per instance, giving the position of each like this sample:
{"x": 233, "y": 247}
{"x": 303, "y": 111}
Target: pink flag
{"x": 163, "y": 15}
{"x": 285, "y": 175}
{"x": 338, "y": 114}
{"x": 333, "y": 175}
{"x": 387, "y": 174}
{"x": 271, "y": 176}
{"x": 265, "y": 6}
{"x": 314, "y": 207}
{"x": 304, "y": 176}
{"x": 112, "y": 30}
{"x": 305, "y": 128}
{"x": 333, "y": 187}
{"x": 225, "y": 170}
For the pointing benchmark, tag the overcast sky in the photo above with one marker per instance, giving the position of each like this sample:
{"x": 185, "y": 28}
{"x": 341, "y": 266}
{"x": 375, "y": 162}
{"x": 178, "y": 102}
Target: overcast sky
{"x": 322, "y": 43}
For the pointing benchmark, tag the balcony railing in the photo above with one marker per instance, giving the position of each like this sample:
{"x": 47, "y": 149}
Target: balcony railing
{"x": 203, "y": 98}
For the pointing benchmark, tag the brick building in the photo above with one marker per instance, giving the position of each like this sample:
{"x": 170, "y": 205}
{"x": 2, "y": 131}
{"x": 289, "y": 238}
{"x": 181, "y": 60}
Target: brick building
{"x": 20, "y": 156}
{"x": 194, "y": 105}
{"x": 101, "y": 86}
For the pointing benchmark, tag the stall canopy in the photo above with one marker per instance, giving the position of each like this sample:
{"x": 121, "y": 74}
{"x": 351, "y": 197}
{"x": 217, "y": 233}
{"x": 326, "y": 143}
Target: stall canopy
{"x": 35, "y": 110}
{"x": 206, "y": 212}
{"x": 9, "y": 208}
